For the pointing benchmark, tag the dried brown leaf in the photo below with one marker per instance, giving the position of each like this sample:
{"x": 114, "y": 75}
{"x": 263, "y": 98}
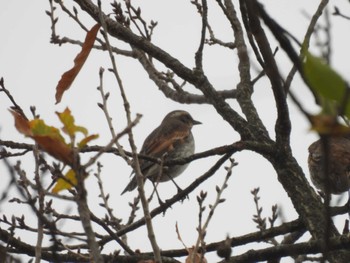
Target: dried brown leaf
{"x": 69, "y": 76}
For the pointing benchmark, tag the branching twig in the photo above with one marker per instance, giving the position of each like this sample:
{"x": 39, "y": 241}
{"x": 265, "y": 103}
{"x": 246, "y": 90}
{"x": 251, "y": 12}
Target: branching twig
{"x": 137, "y": 169}
{"x": 337, "y": 12}
{"x": 56, "y": 39}
{"x": 202, "y": 228}
{"x": 16, "y": 107}
{"x": 41, "y": 197}
{"x": 259, "y": 219}
{"x": 306, "y": 41}
{"x": 115, "y": 222}
{"x": 104, "y": 107}
{"x": 112, "y": 142}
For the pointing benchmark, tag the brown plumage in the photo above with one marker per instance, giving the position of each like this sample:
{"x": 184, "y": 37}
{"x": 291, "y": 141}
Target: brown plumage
{"x": 338, "y": 165}
{"x": 172, "y": 139}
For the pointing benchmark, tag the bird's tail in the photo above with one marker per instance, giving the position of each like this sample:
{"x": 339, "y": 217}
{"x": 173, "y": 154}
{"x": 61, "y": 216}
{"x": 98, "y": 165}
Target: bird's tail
{"x": 131, "y": 185}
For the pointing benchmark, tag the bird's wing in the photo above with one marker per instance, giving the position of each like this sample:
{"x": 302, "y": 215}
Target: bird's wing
{"x": 163, "y": 139}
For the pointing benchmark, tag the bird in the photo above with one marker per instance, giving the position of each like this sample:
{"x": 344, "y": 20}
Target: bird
{"x": 338, "y": 165}
{"x": 172, "y": 139}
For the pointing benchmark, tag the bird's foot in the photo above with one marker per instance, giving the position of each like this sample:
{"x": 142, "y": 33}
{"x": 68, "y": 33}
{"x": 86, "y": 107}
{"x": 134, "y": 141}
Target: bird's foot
{"x": 179, "y": 190}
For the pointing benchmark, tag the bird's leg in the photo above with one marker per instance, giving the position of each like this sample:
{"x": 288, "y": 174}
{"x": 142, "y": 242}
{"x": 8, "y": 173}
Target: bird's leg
{"x": 177, "y": 186}
{"x": 155, "y": 191}
{"x": 179, "y": 190}
{"x": 150, "y": 197}
{"x": 156, "y": 182}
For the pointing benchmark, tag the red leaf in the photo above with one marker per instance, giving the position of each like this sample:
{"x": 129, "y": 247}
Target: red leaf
{"x": 69, "y": 76}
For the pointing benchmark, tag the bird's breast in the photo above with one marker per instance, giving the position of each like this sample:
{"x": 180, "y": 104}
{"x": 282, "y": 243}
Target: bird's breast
{"x": 182, "y": 148}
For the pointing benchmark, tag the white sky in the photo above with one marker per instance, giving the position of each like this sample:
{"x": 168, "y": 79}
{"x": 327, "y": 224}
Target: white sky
{"x": 31, "y": 67}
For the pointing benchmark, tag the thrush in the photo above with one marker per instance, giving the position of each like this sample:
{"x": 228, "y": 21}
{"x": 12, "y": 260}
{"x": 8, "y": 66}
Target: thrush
{"x": 172, "y": 139}
{"x": 338, "y": 165}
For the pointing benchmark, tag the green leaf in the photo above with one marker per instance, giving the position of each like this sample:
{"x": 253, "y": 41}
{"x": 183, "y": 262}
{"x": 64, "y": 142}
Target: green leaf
{"x": 39, "y": 128}
{"x": 325, "y": 82}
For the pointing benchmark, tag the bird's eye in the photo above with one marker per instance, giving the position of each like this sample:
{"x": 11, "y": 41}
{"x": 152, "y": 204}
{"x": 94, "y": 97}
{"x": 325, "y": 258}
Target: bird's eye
{"x": 185, "y": 118}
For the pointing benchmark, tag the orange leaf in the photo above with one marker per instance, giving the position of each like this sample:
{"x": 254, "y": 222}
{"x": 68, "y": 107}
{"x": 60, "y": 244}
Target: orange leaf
{"x": 69, "y": 76}
{"x": 47, "y": 137}
{"x": 21, "y": 123}
{"x": 66, "y": 182}
{"x": 55, "y": 148}
{"x": 51, "y": 141}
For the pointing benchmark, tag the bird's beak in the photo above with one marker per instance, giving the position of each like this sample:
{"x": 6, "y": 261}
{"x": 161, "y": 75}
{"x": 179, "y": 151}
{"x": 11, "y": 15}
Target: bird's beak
{"x": 196, "y": 122}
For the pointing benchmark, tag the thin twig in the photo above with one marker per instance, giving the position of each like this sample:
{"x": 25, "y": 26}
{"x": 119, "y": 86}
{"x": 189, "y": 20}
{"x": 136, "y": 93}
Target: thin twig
{"x": 41, "y": 197}
{"x": 104, "y": 107}
{"x": 137, "y": 169}
{"x": 11, "y": 98}
{"x": 202, "y": 229}
{"x": 113, "y": 141}
{"x": 306, "y": 41}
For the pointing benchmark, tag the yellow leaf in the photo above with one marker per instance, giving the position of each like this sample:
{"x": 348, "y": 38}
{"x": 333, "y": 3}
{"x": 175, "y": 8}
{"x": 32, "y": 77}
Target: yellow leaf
{"x": 86, "y": 140}
{"x": 68, "y": 122}
{"x": 66, "y": 182}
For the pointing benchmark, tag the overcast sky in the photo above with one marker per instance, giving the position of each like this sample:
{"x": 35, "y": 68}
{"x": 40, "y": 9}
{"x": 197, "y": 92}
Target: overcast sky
{"x": 31, "y": 68}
